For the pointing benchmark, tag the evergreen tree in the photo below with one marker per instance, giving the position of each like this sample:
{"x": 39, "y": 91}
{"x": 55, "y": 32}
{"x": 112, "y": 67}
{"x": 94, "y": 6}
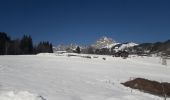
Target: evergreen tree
{"x": 26, "y": 45}
{"x": 51, "y": 48}
{"x": 90, "y": 50}
{"x": 44, "y": 47}
{"x": 23, "y": 46}
{"x": 78, "y": 50}
{"x": 4, "y": 43}
{"x": 15, "y": 47}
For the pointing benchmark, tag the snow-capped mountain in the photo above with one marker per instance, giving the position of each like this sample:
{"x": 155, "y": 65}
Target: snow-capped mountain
{"x": 69, "y": 48}
{"x": 104, "y": 42}
{"x": 63, "y": 47}
{"x": 124, "y": 46}
{"x": 109, "y": 43}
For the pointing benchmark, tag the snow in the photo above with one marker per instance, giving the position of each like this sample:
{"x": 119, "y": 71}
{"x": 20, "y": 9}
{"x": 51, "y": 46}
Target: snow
{"x": 125, "y": 45}
{"x": 22, "y": 95}
{"x": 52, "y": 77}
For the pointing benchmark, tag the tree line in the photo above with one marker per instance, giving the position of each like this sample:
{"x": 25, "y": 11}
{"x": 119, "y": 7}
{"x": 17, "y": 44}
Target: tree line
{"x": 22, "y": 46}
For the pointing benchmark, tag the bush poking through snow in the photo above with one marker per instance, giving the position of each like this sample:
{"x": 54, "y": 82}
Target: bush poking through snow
{"x": 86, "y": 57}
{"x": 153, "y": 87}
{"x": 104, "y": 58}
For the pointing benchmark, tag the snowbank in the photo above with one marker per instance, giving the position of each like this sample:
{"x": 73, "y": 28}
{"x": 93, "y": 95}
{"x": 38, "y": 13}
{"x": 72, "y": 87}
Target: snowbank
{"x": 22, "y": 95}
{"x": 45, "y": 54}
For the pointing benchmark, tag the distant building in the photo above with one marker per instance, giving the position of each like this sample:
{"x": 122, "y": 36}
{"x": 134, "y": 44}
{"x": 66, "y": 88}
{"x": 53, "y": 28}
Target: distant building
{"x": 121, "y": 54}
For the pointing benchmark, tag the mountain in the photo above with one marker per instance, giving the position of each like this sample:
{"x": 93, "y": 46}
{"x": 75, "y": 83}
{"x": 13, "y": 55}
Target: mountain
{"x": 63, "y": 47}
{"x": 157, "y": 47}
{"x": 69, "y": 48}
{"x": 105, "y": 45}
{"x": 124, "y": 46}
{"x": 104, "y": 42}
{"x": 109, "y": 43}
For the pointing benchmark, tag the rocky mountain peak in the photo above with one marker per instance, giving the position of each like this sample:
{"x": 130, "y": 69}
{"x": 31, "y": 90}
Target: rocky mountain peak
{"x": 104, "y": 42}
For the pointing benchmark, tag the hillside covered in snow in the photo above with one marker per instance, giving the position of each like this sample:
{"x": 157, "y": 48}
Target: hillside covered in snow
{"x": 63, "y": 77}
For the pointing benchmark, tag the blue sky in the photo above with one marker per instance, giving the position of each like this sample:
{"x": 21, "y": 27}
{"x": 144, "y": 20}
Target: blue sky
{"x": 84, "y": 21}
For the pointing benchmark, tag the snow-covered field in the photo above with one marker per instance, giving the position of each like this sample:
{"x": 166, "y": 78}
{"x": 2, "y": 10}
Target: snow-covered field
{"x": 54, "y": 77}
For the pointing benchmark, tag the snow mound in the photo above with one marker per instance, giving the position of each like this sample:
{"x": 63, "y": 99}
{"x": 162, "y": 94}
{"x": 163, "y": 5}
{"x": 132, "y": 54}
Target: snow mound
{"x": 22, "y": 95}
{"x": 45, "y": 54}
